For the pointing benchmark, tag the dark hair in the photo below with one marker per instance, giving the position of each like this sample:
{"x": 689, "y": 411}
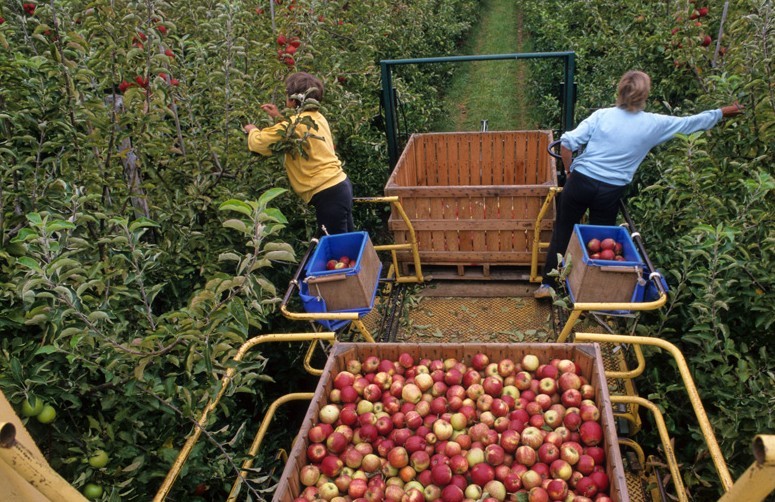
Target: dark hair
{"x": 301, "y": 84}
{"x": 633, "y": 91}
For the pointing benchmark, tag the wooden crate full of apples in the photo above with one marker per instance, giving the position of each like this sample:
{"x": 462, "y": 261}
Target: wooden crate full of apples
{"x": 451, "y": 422}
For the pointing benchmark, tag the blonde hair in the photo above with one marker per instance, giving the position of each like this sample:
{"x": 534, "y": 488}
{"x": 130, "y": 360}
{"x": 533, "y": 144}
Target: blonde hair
{"x": 633, "y": 91}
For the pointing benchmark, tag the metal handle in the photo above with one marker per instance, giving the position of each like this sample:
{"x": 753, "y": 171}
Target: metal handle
{"x": 614, "y": 268}
{"x": 326, "y": 278}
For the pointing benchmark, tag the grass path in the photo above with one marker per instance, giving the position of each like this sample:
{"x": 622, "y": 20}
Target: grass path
{"x": 490, "y": 90}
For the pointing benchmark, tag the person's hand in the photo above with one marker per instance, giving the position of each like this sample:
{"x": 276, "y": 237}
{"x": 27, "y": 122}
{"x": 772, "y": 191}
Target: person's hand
{"x": 271, "y": 110}
{"x": 248, "y": 127}
{"x": 732, "y": 110}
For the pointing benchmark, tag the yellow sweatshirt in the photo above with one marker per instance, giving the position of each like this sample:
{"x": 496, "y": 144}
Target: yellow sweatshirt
{"x": 322, "y": 169}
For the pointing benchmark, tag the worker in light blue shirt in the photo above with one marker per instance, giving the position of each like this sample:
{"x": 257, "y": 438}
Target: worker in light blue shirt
{"x": 616, "y": 141}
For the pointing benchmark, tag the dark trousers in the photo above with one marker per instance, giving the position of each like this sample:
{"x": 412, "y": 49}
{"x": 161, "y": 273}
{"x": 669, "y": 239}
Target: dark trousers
{"x": 579, "y": 194}
{"x": 334, "y": 209}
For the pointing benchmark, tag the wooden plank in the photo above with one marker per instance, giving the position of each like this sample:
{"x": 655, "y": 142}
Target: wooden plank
{"x": 465, "y": 153}
{"x": 517, "y": 258}
{"x": 432, "y": 224}
{"x": 467, "y": 190}
{"x": 484, "y": 175}
{"x": 436, "y": 204}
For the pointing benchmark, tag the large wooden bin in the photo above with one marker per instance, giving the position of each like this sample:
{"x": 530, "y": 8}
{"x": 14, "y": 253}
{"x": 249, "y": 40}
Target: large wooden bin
{"x": 587, "y": 356}
{"x": 473, "y": 197}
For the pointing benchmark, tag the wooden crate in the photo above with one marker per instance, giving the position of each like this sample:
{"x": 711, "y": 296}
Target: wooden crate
{"x": 473, "y": 197}
{"x": 348, "y": 289}
{"x": 603, "y": 281}
{"x": 588, "y": 356}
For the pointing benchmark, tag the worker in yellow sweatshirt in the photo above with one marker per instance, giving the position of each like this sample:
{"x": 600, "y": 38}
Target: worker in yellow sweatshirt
{"x": 314, "y": 170}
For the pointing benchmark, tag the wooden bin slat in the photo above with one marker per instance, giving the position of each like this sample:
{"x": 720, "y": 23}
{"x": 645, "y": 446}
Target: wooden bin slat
{"x": 468, "y": 181}
{"x": 587, "y": 356}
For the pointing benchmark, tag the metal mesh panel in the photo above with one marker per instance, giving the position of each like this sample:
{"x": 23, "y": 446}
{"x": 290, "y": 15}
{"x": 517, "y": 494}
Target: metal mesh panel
{"x": 468, "y": 320}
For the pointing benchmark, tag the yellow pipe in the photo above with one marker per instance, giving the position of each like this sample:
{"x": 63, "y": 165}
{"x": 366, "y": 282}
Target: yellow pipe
{"x": 578, "y": 308}
{"x": 248, "y": 463}
{"x": 308, "y": 360}
{"x": 664, "y": 437}
{"x": 759, "y": 480}
{"x": 566, "y": 330}
{"x": 185, "y": 451}
{"x": 394, "y": 201}
{"x": 534, "y": 277}
{"x": 363, "y": 331}
{"x": 629, "y": 375}
{"x": 39, "y": 475}
{"x": 635, "y": 446}
{"x": 691, "y": 389}
{"x": 323, "y": 316}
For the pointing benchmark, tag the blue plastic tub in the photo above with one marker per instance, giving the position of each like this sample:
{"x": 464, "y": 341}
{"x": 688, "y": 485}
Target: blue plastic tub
{"x": 604, "y": 281}
{"x": 350, "y": 289}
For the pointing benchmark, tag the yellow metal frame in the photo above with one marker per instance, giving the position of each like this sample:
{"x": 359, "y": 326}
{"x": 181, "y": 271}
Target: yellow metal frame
{"x": 631, "y": 415}
{"x": 185, "y": 451}
{"x": 248, "y": 463}
{"x": 694, "y": 399}
{"x": 411, "y": 245}
{"x": 579, "y": 308}
{"x": 38, "y": 474}
{"x": 759, "y": 480}
{"x": 537, "y": 244}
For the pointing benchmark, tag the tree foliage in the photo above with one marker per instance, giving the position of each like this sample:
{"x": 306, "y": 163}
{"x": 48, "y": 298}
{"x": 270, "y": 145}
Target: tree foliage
{"x": 703, "y": 203}
{"x": 141, "y": 242}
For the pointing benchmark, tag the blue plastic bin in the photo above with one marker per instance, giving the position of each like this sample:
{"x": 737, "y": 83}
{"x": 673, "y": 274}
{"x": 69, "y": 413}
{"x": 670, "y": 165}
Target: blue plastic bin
{"x": 351, "y": 289}
{"x": 603, "y": 281}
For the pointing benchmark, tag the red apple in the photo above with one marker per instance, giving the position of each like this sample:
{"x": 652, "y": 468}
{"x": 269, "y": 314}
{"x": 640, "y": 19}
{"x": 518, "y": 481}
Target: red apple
{"x": 316, "y": 452}
{"x": 560, "y": 469}
{"x": 548, "y": 453}
{"x": 607, "y": 243}
{"x": 593, "y": 245}
{"x": 532, "y": 437}
{"x": 482, "y": 473}
{"x": 597, "y": 453}
{"x": 526, "y": 456}
{"x": 586, "y": 487}
{"x": 441, "y": 475}
{"x": 601, "y": 480}
{"x": 591, "y": 433}
{"x": 607, "y": 254}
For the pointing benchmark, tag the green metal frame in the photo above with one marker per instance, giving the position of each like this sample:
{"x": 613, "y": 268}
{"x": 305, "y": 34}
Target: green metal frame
{"x": 389, "y": 99}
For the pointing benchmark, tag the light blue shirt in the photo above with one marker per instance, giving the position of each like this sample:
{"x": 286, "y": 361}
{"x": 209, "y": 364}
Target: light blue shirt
{"x": 617, "y": 141}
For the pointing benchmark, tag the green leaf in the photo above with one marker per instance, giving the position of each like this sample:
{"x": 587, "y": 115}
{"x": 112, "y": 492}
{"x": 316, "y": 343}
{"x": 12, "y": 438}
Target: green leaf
{"x": 142, "y": 223}
{"x": 269, "y": 195}
{"x": 236, "y": 225}
{"x": 284, "y": 256}
{"x": 57, "y": 225}
{"x": 238, "y": 206}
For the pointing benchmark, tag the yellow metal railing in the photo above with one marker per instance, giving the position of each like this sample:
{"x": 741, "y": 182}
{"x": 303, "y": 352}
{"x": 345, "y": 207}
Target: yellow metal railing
{"x": 248, "y": 463}
{"x": 213, "y": 403}
{"x": 410, "y": 246}
{"x": 537, "y": 244}
{"x": 691, "y": 389}
{"x": 579, "y": 308}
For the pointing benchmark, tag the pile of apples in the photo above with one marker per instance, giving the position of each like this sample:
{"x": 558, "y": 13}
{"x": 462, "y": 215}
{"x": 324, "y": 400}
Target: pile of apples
{"x": 342, "y": 262}
{"x": 607, "y": 249}
{"x": 415, "y": 431}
